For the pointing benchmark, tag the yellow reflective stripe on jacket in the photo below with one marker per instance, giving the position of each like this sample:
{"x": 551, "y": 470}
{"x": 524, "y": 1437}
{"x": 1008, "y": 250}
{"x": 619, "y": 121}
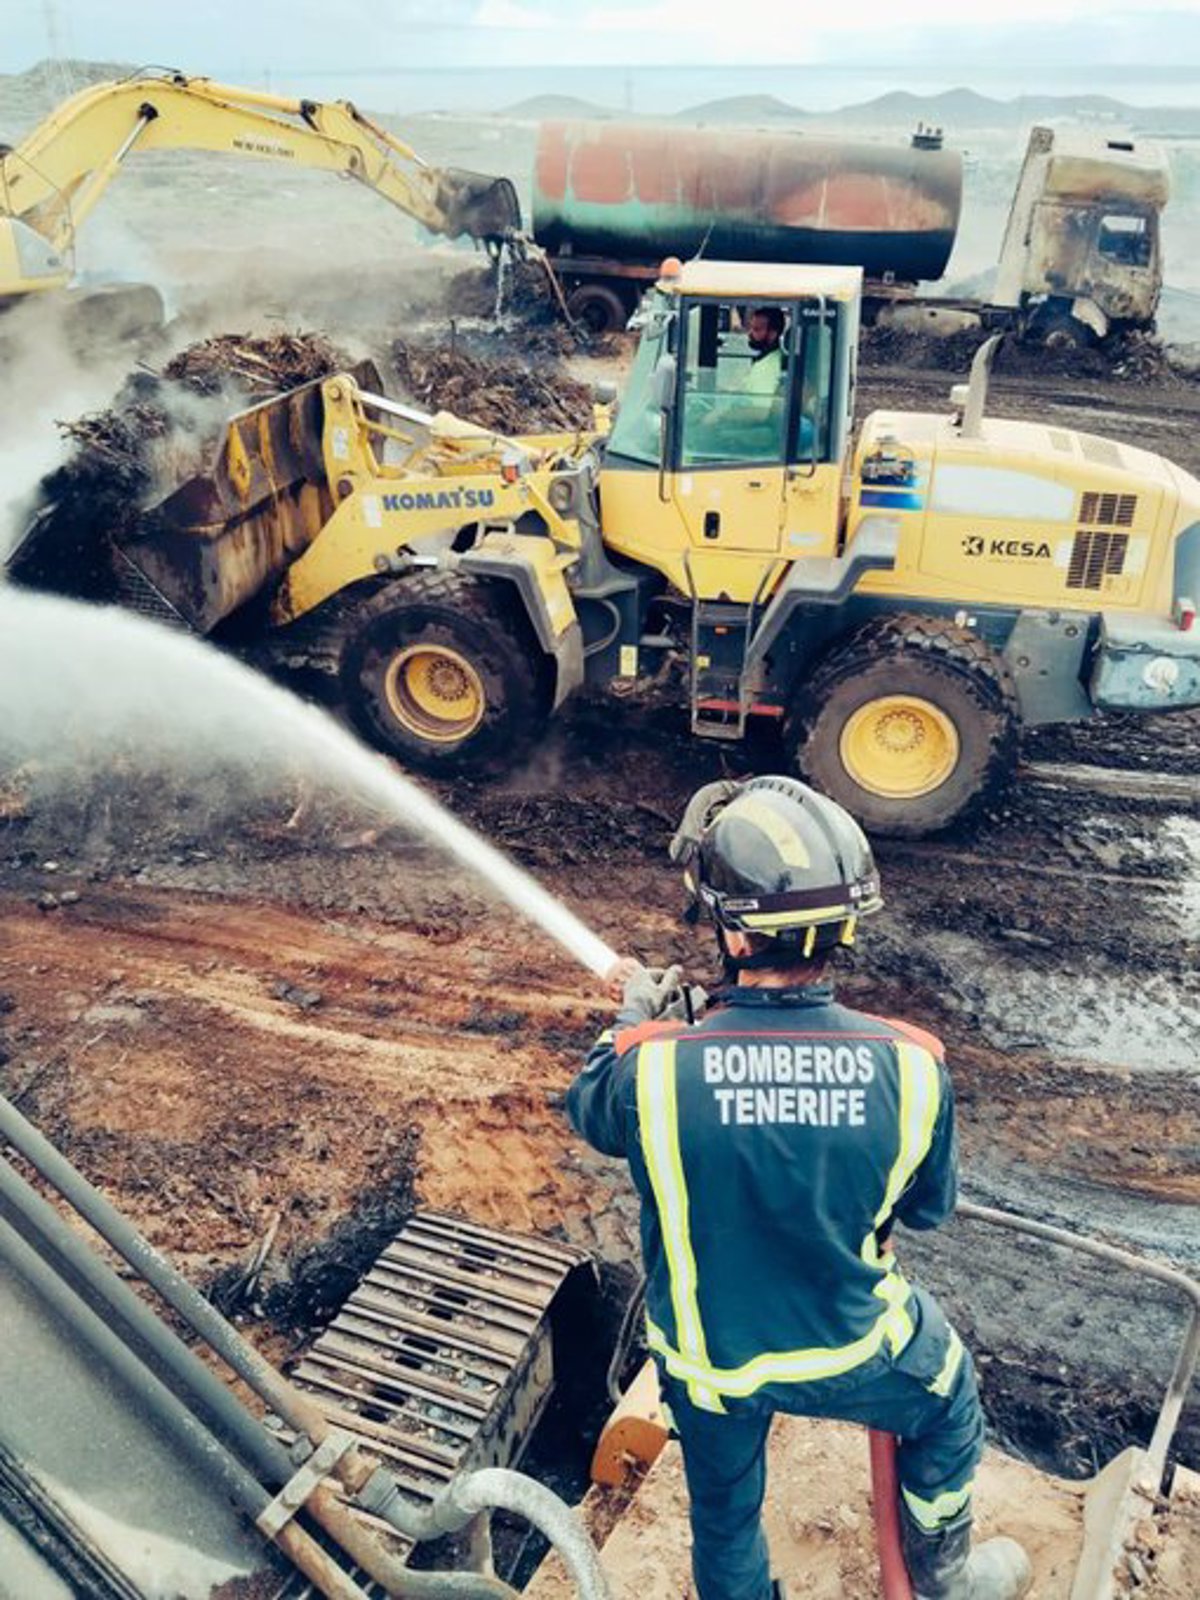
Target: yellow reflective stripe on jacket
{"x": 919, "y": 1099}
{"x": 943, "y": 1508}
{"x": 788, "y": 1366}
{"x": 658, "y": 1119}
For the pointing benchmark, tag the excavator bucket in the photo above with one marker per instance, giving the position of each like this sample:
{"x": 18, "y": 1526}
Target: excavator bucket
{"x": 478, "y": 206}
{"x": 220, "y": 538}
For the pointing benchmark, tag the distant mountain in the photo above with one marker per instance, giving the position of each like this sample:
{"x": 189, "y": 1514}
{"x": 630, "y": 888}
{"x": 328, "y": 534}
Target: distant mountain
{"x": 743, "y": 108}
{"x": 555, "y": 108}
{"x": 965, "y": 106}
{"x": 79, "y": 74}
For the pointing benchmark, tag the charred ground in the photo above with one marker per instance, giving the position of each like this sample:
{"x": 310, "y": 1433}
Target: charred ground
{"x": 244, "y": 1030}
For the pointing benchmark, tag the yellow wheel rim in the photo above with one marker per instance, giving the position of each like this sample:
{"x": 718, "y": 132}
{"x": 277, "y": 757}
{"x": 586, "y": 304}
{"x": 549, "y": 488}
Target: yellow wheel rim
{"x": 435, "y": 693}
{"x": 899, "y": 747}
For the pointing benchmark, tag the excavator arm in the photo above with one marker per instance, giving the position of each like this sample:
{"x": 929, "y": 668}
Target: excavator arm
{"x": 52, "y": 180}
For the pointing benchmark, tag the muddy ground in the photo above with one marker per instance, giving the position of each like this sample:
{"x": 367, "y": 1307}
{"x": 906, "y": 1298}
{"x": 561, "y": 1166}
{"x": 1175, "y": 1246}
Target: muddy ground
{"x": 229, "y": 1023}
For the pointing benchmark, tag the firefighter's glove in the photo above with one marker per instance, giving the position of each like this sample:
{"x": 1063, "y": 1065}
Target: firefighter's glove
{"x": 649, "y": 993}
{"x": 700, "y": 811}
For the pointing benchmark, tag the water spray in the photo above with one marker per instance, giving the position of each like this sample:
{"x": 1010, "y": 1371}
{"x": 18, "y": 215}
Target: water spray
{"x": 81, "y": 677}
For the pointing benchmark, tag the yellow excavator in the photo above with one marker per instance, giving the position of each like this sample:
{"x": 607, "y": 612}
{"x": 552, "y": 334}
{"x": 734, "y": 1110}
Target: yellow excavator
{"x": 53, "y": 179}
{"x": 898, "y": 600}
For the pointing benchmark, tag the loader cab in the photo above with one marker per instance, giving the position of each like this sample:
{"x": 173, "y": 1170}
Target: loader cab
{"x": 728, "y": 447}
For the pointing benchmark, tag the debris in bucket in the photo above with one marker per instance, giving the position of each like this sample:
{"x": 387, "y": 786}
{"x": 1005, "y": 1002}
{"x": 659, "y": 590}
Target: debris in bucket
{"x": 155, "y": 434}
{"x": 259, "y": 366}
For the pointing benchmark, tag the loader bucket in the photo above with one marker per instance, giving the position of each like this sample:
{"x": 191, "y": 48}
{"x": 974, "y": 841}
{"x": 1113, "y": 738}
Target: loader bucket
{"x": 228, "y": 535}
{"x": 479, "y": 206}
{"x": 220, "y": 539}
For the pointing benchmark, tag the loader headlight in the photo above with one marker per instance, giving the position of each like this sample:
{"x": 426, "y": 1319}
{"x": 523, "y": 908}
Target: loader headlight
{"x": 561, "y": 495}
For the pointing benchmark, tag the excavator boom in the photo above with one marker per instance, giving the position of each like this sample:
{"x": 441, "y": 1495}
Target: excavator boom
{"x": 52, "y": 180}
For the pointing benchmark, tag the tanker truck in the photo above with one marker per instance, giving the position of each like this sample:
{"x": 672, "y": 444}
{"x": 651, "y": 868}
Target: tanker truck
{"x": 1081, "y": 256}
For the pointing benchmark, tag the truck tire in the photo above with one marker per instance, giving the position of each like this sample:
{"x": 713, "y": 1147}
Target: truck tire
{"x": 438, "y": 670}
{"x": 910, "y": 722}
{"x": 599, "y": 308}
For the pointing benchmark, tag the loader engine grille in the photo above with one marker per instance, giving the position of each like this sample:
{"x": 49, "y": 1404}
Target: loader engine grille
{"x": 1104, "y": 452}
{"x": 1094, "y": 557}
{"x": 441, "y": 1360}
{"x": 1108, "y": 510}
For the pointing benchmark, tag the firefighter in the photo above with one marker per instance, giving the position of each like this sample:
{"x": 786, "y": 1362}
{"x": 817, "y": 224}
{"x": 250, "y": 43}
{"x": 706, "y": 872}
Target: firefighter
{"x": 774, "y": 1143}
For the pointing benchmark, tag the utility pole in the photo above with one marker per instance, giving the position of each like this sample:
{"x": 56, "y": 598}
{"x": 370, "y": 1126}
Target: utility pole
{"x": 62, "y": 73}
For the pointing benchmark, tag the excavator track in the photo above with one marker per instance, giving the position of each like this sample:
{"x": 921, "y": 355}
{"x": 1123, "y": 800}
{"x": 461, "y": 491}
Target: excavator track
{"x": 442, "y": 1359}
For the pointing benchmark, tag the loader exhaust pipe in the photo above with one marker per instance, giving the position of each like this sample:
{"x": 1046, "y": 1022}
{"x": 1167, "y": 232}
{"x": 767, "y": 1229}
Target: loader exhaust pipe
{"x": 975, "y": 398}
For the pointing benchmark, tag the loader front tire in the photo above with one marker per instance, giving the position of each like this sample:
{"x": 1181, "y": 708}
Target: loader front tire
{"x": 910, "y": 723}
{"x": 438, "y": 670}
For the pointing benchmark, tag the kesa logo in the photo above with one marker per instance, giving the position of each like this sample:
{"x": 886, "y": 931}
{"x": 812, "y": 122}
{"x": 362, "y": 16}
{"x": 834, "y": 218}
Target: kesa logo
{"x": 975, "y": 544}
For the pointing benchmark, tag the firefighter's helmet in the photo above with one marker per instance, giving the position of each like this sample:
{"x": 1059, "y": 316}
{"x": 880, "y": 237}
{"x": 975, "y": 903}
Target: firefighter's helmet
{"x": 781, "y": 861}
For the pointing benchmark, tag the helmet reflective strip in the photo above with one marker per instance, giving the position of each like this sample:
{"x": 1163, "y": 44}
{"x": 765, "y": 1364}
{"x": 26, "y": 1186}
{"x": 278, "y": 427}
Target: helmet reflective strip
{"x": 766, "y": 920}
{"x": 658, "y": 1119}
{"x": 791, "y": 847}
{"x": 934, "y": 1514}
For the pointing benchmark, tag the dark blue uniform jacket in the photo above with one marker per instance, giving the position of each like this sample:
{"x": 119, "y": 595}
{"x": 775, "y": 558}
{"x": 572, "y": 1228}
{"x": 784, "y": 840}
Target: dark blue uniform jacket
{"x": 773, "y": 1144}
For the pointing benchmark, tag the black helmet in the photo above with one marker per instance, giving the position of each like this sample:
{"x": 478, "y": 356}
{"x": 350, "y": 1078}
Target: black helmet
{"x": 785, "y": 863}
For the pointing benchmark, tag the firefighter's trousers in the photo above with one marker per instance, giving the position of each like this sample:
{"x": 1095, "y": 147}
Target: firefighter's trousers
{"x": 940, "y": 1436}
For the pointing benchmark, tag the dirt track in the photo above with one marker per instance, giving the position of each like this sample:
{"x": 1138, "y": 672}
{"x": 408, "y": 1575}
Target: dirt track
{"x": 237, "y": 1021}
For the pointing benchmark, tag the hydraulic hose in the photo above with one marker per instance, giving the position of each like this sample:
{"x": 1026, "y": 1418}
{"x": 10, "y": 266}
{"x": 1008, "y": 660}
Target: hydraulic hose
{"x": 885, "y": 1495}
{"x": 32, "y": 1251}
{"x": 493, "y": 1488}
{"x": 353, "y": 1469}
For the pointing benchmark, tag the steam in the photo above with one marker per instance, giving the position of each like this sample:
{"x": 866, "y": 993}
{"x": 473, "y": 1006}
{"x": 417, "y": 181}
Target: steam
{"x": 44, "y": 382}
{"x": 86, "y": 691}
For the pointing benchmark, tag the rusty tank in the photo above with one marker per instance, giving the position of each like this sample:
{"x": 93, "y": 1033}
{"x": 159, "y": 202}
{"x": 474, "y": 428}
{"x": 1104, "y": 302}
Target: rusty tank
{"x": 635, "y": 192}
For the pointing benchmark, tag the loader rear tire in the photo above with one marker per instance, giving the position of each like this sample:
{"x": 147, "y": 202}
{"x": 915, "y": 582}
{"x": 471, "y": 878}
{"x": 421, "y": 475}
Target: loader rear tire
{"x": 439, "y": 670}
{"x": 910, "y": 723}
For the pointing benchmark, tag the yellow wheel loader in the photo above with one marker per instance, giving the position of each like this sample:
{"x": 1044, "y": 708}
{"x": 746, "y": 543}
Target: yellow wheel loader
{"x": 899, "y": 603}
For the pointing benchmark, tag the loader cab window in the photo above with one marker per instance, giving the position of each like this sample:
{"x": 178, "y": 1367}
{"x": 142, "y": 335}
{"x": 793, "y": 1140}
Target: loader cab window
{"x": 1125, "y": 239}
{"x": 638, "y": 429}
{"x": 733, "y": 401}
{"x": 757, "y": 383}
{"x": 812, "y": 419}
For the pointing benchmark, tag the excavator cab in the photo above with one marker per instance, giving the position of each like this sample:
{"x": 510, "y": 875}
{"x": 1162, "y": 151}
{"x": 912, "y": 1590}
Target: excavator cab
{"x": 727, "y": 456}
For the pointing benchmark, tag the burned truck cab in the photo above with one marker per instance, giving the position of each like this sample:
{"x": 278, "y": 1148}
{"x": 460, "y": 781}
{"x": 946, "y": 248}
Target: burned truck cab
{"x": 1082, "y": 254}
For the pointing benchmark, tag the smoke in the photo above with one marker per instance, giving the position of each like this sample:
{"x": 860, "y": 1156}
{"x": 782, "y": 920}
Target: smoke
{"x": 44, "y": 381}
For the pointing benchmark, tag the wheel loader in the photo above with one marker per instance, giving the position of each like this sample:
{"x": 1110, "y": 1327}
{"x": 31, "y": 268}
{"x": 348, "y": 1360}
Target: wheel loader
{"x": 897, "y": 602}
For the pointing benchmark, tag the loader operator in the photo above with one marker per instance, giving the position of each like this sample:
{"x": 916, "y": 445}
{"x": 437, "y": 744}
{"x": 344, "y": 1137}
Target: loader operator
{"x": 774, "y": 1143}
{"x": 765, "y": 336}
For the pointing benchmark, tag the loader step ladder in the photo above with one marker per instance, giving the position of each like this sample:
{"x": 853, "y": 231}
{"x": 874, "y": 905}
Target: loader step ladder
{"x": 442, "y": 1359}
{"x": 721, "y": 633}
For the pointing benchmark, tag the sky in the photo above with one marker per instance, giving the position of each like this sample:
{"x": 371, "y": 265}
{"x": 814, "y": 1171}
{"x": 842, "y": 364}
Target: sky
{"x": 302, "y": 34}
{"x": 1079, "y": 45}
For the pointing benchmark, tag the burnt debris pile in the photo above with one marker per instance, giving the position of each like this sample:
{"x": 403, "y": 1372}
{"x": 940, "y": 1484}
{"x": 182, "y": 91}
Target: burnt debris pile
{"x": 157, "y": 432}
{"x": 1134, "y": 357}
{"x": 497, "y": 392}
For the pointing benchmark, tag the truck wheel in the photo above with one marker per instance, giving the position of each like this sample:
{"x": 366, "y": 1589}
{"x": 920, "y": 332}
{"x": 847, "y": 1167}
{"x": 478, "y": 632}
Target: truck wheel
{"x": 599, "y": 308}
{"x": 1057, "y": 329}
{"x": 911, "y": 723}
{"x": 438, "y": 670}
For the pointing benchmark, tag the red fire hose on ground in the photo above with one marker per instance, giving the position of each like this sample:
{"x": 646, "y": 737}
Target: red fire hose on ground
{"x": 885, "y": 1495}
